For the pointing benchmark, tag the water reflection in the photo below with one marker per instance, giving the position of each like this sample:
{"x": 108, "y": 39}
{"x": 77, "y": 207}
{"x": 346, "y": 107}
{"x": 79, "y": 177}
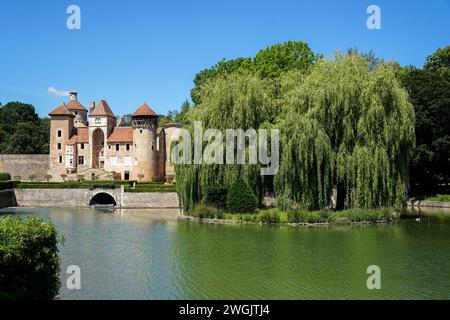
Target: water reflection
{"x": 149, "y": 254}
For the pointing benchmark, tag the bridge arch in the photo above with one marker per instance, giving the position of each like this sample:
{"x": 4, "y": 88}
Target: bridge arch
{"x": 102, "y": 198}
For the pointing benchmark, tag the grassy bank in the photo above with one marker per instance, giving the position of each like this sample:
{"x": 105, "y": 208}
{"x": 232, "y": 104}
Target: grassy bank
{"x": 275, "y": 216}
{"x": 432, "y": 197}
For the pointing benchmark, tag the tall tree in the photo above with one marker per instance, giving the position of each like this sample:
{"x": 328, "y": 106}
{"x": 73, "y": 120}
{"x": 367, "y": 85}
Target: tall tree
{"x": 271, "y": 62}
{"x": 429, "y": 90}
{"x": 21, "y": 129}
{"x": 349, "y": 127}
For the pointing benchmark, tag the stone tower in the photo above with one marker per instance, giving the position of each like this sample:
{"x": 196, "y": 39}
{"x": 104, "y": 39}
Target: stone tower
{"x": 61, "y": 128}
{"x": 78, "y": 110}
{"x": 145, "y": 153}
{"x": 101, "y": 122}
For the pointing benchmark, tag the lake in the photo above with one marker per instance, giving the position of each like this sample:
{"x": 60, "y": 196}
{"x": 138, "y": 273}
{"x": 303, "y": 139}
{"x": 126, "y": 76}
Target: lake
{"x": 142, "y": 254}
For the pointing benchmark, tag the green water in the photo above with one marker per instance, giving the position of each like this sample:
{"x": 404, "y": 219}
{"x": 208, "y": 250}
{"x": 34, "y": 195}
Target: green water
{"x": 142, "y": 255}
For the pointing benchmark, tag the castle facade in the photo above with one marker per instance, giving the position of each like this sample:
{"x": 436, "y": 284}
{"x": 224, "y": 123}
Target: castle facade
{"x": 93, "y": 145}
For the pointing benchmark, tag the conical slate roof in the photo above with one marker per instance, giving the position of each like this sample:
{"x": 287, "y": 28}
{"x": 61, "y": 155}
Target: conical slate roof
{"x": 144, "y": 111}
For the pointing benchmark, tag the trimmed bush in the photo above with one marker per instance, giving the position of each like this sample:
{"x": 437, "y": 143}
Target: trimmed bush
{"x": 241, "y": 198}
{"x": 29, "y": 262}
{"x": 216, "y": 196}
{"x": 4, "y": 176}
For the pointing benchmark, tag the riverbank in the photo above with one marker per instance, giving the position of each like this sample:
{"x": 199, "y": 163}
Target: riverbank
{"x": 294, "y": 218}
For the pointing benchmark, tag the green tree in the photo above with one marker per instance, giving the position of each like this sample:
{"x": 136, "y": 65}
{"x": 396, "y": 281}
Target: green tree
{"x": 349, "y": 127}
{"x": 271, "y": 62}
{"x": 439, "y": 62}
{"x": 429, "y": 91}
{"x": 278, "y": 59}
{"x": 21, "y": 130}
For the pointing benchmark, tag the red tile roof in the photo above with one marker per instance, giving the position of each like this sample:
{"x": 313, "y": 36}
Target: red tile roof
{"x": 72, "y": 140}
{"x": 79, "y": 135}
{"x": 83, "y": 135}
{"x": 61, "y": 110}
{"x": 121, "y": 134}
{"x": 144, "y": 111}
{"x": 75, "y": 105}
{"x": 102, "y": 109}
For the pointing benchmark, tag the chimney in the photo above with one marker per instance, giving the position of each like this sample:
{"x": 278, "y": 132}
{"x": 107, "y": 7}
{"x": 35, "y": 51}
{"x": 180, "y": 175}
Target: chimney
{"x": 73, "y": 95}
{"x": 91, "y": 106}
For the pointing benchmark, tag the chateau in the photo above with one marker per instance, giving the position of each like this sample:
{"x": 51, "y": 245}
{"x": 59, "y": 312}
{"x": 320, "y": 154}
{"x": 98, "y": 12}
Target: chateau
{"x": 94, "y": 145}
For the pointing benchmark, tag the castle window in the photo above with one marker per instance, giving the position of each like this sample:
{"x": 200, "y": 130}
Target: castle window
{"x": 113, "y": 161}
{"x": 153, "y": 147}
{"x": 60, "y": 159}
{"x": 98, "y": 120}
{"x": 117, "y": 147}
{"x": 128, "y": 147}
{"x": 127, "y": 160}
{"x": 82, "y": 146}
{"x": 81, "y": 160}
{"x": 59, "y": 146}
{"x": 59, "y": 133}
{"x": 140, "y": 131}
{"x": 157, "y": 143}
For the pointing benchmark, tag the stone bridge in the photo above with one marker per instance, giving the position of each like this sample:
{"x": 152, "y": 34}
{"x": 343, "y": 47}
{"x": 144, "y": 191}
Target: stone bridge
{"x": 86, "y": 197}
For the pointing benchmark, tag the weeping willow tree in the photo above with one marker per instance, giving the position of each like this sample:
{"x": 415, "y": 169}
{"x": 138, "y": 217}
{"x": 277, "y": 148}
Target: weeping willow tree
{"x": 236, "y": 101}
{"x": 348, "y": 127}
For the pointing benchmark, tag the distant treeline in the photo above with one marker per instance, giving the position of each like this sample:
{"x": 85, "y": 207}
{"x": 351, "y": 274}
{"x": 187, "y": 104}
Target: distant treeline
{"x": 22, "y": 131}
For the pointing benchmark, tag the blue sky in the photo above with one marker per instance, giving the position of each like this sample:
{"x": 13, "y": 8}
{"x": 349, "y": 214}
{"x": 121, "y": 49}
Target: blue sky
{"x": 132, "y": 51}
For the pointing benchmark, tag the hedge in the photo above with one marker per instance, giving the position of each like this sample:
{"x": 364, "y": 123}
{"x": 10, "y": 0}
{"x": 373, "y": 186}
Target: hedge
{"x": 95, "y": 184}
{"x": 4, "y": 185}
{"x": 29, "y": 262}
{"x": 4, "y": 176}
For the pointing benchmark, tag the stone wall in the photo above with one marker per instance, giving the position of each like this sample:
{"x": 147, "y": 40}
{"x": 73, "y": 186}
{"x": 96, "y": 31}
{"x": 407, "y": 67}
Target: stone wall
{"x": 150, "y": 200}
{"x": 7, "y": 199}
{"x": 24, "y": 165}
{"x": 82, "y": 198}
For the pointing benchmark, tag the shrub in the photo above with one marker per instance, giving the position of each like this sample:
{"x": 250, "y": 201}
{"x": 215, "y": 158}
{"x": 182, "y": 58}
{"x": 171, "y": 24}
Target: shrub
{"x": 205, "y": 212}
{"x": 29, "y": 262}
{"x": 269, "y": 217}
{"x": 241, "y": 198}
{"x": 17, "y": 178}
{"x": 4, "y": 176}
{"x": 4, "y": 185}
{"x": 216, "y": 195}
{"x": 48, "y": 177}
{"x": 295, "y": 216}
